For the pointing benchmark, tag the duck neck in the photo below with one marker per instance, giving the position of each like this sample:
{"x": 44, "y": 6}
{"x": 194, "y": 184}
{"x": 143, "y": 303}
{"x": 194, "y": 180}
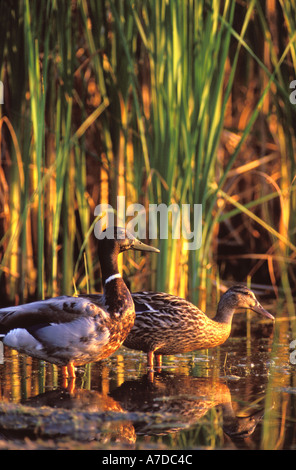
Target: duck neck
{"x": 116, "y": 294}
{"x": 109, "y": 266}
{"x": 224, "y": 313}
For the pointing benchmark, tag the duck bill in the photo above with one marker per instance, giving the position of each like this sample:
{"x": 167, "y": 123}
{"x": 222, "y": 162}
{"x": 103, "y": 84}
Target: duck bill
{"x": 259, "y": 309}
{"x": 140, "y": 246}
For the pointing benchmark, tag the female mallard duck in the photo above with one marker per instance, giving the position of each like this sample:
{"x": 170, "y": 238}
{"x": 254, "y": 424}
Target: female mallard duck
{"x": 166, "y": 324}
{"x": 72, "y": 331}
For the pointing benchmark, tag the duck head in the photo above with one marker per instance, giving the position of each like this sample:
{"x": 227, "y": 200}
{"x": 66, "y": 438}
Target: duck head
{"x": 237, "y": 298}
{"x": 119, "y": 239}
{"x": 112, "y": 242}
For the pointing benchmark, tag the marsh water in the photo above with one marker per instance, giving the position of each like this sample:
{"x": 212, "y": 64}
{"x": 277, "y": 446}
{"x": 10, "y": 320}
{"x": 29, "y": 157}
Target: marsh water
{"x": 241, "y": 395}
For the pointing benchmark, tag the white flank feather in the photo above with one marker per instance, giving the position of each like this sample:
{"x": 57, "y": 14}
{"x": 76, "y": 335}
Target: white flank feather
{"x": 20, "y": 339}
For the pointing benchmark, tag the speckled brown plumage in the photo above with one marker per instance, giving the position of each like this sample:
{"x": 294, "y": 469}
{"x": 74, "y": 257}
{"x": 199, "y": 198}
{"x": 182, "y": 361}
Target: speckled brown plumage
{"x": 166, "y": 324}
{"x": 174, "y": 326}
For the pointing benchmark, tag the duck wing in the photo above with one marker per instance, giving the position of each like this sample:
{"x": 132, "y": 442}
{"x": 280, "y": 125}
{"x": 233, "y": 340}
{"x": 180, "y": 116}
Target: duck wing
{"x": 153, "y": 302}
{"x": 56, "y": 310}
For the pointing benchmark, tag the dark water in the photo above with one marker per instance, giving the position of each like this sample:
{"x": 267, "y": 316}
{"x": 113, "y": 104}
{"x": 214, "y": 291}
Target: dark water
{"x": 239, "y": 396}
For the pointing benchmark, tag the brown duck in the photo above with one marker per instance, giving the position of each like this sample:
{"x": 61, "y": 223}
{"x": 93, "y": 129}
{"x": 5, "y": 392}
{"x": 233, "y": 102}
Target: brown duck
{"x": 167, "y": 325}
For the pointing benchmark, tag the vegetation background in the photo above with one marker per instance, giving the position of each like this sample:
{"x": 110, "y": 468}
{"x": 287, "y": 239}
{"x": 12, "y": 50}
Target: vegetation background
{"x": 159, "y": 101}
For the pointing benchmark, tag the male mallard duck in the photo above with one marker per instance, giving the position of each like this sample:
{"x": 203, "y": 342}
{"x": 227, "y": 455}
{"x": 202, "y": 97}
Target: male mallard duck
{"x": 72, "y": 331}
{"x": 166, "y": 324}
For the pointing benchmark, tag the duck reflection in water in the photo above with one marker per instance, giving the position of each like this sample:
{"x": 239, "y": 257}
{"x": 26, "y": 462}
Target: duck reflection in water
{"x": 183, "y": 401}
{"x": 80, "y": 415}
{"x": 180, "y": 401}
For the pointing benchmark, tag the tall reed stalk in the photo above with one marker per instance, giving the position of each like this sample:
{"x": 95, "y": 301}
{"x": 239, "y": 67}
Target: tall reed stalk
{"x": 38, "y": 89}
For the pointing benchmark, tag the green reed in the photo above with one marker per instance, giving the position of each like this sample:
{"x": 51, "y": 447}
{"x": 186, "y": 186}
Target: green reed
{"x": 38, "y": 88}
{"x": 187, "y": 49}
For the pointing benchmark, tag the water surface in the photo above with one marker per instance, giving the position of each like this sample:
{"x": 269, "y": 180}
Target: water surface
{"x": 241, "y": 395}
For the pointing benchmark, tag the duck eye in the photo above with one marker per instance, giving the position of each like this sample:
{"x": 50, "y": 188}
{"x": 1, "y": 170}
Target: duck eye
{"x": 126, "y": 244}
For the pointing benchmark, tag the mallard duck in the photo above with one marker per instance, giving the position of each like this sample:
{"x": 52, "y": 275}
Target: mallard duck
{"x": 166, "y": 324}
{"x": 72, "y": 331}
